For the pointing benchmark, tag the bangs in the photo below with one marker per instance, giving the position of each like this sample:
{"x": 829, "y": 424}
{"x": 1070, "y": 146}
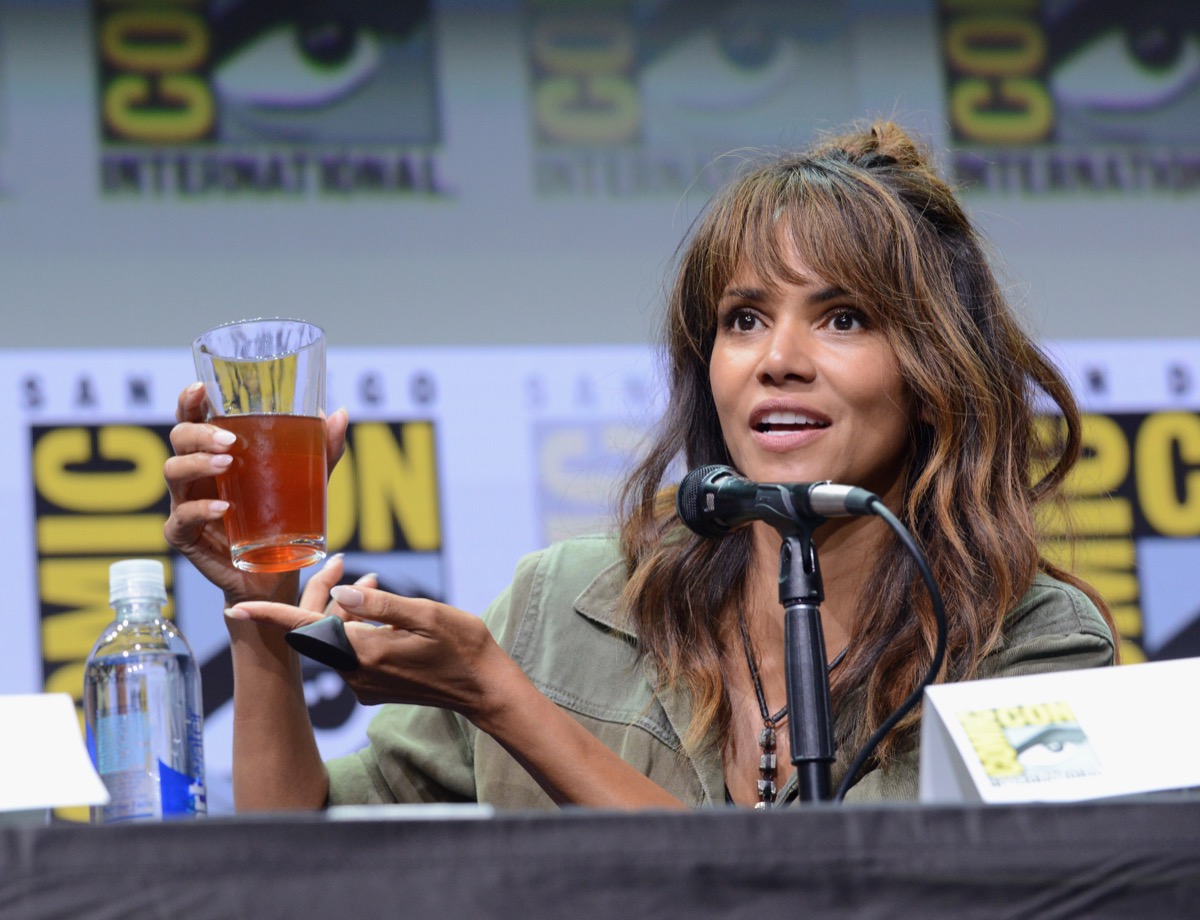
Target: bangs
{"x": 852, "y": 240}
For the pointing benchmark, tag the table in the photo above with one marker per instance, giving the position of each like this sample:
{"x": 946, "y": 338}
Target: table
{"x": 1134, "y": 857}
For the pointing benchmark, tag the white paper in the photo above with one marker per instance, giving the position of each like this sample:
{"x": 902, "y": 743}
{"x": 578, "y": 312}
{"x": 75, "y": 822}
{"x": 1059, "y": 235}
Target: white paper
{"x": 44, "y": 762}
{"x": 1066, "y": 736}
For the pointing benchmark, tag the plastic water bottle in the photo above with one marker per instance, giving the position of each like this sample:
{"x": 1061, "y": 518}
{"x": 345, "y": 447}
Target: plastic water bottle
{"x": 142, "y": 704}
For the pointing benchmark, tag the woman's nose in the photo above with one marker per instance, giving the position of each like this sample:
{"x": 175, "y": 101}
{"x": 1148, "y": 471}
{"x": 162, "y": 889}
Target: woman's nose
{"x": 787, "y": 355}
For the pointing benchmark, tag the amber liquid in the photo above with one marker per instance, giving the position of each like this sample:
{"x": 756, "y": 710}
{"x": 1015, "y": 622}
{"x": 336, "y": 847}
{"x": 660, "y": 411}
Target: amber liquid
{"x": 276, "y": 491}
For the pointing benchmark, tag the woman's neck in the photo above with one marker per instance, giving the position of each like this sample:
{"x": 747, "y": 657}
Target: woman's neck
{"x": 846, "y": 550}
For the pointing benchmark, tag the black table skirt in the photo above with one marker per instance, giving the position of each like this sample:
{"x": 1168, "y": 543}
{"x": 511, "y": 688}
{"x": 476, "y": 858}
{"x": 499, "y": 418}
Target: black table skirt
{"x": 1133, "y": 858}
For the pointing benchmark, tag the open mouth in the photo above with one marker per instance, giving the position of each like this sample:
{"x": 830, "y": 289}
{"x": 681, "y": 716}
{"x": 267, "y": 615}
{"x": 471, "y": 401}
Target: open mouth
{"x": 779, "y": 422}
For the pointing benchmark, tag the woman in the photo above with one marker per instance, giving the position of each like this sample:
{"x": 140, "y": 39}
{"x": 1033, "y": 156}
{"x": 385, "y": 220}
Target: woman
{"x": 833, "y": 318}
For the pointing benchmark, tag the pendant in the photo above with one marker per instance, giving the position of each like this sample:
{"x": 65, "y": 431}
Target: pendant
{"x": 766, "y": 768}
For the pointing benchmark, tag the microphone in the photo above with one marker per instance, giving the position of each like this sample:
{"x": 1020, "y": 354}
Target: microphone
{"x": 713, "y": 500}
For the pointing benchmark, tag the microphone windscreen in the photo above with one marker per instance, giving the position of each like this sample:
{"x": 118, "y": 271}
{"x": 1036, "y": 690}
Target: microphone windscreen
{"x": 689, "y": 501}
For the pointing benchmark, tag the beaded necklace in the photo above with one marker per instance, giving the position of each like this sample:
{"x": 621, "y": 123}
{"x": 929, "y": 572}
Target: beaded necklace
{"x": 768, "y": 766}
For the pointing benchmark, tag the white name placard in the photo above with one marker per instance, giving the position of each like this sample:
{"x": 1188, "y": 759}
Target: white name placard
{"x": 45, "y": 764}
{"x": 1066, "y": 736}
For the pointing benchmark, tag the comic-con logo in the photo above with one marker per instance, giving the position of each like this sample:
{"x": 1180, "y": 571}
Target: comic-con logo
{"x": 201, "y": 98}
{"x": 1073, "y": 95}
{"x": 631, "y": 97}
{"x": 1134, "y": 516}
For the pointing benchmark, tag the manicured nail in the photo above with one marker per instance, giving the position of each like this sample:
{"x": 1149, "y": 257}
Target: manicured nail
{"x": 336, "y": 557}
{"x": 236, "y": 613}
{"x": 220, "y": 461}
{"x": 194, "y": 388}
{"x": 369, "y": 577}
{"x": 346, "y": 596}
{"x": 221, "y": 436}
{"x": 217, "y": 506}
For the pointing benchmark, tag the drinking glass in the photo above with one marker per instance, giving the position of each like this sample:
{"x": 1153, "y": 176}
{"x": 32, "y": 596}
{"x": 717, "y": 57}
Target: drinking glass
{"x": 264, "y": 380}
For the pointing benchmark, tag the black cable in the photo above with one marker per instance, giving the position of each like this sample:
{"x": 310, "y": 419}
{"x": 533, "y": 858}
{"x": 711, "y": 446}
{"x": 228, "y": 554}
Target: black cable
{"x": 880, "y": 510}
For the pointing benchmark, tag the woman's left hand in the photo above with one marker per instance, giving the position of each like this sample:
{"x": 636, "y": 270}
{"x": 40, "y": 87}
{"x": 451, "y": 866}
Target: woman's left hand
{"x": 421, "y": 651}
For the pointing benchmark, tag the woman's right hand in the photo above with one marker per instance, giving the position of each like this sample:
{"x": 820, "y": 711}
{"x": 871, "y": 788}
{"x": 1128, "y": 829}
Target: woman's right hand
{"x": 196, "y": 526}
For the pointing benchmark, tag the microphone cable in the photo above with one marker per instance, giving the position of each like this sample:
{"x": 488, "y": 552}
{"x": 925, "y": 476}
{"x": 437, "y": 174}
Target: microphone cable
{"x": 879, "y": 509}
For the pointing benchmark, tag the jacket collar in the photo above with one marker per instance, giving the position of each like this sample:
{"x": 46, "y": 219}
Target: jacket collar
{"x": 599, "y": 601}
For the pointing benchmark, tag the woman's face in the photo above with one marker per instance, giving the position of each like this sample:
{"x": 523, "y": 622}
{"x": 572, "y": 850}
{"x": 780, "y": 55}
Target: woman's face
{"x": 806, "y": 387}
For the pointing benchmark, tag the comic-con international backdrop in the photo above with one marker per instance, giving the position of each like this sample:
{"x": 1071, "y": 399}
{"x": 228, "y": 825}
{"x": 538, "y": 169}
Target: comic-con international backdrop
{"x": 520, "y": 171}
{"x": 426, "y": 178}
{"x": 461, "y": 460}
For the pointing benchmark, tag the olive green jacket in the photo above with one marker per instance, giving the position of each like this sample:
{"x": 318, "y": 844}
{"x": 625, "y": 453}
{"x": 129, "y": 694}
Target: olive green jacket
{"x": 559, "y": 621}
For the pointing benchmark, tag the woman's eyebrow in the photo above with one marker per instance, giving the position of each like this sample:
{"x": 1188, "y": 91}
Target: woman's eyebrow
{"x": 755, "y": 294}
{"x": 751, "y": 294}
{"x": 826, "y": 294}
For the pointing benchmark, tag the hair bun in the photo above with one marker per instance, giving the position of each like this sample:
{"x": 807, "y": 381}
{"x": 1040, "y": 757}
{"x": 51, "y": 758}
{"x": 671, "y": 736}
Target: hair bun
{"x": 883, "y": 143}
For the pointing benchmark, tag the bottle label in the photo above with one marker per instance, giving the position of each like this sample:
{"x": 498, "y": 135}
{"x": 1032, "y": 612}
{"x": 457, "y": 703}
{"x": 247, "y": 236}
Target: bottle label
{"x": 121, "y": 739}
{"x": 121, "y": 743}
{"x": 179, "y": 798}
{"x": 142, "y": 790}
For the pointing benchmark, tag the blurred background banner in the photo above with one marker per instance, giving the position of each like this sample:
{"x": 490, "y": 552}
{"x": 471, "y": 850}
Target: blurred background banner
{"x": 277, "y": 98}
{"x": 482, "y": 172}
{"x": 1073, "y": 95}
{"x": 462, "y": 460}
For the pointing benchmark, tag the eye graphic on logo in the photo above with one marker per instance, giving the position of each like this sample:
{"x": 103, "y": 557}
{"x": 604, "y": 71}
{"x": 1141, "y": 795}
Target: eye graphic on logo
{"x": 289, "y": 67}
{"x": 1117, "y": 72}
{"x": 1054, "y": 745}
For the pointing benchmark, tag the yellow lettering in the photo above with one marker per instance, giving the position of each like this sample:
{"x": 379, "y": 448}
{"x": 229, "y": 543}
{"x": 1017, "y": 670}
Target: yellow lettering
{"x": 81, "y": 586}
{"x": 1059, "y": 712}
{"x": 340, "y": 512}
{"x": 185, "y": 109}
{"x": 588, "y": 110}
{"x": 154, "y": 41}
{"x": 1114, "y": 586}
{"x": 995, "y": 46}
{"x": 62, "y": 535}
{"x": 1104, "y": 465}
{"x": 136, "y": 487}
{"x": 1008, "y": 111}
{"x": 1131, "y": 653}
{"x": 397, "y": 484}
{"x": 991, "y": 746}
{"x": 1171, "y": 507}
{"x": 1087, "y": 517}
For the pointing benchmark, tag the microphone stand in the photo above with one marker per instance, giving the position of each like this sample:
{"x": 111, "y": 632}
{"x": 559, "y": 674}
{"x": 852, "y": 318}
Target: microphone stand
{"x": 810, "y": 728}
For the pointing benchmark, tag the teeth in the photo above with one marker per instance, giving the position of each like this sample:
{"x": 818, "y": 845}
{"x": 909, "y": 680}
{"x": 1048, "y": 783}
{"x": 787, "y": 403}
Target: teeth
{"x": 787, "y": 418}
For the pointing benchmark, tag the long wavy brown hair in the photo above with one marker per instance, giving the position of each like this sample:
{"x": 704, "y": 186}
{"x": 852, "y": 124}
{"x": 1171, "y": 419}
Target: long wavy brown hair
{"x": 869, "y": 214}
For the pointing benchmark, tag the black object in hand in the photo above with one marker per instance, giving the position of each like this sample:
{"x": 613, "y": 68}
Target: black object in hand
{"x": 325, "y": 641}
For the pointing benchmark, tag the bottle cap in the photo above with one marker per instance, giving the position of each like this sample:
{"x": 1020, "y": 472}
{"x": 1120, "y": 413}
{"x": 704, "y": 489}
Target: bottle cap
{"x": 140, "y": 578}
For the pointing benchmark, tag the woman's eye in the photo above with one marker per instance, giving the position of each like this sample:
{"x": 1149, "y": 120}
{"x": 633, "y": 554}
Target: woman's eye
{"x": 741, "y": 321}
{"x": 847, "y": 320}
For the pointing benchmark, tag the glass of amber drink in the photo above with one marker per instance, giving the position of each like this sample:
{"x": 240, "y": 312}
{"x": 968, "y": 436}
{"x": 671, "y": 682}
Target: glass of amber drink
{"x": 264, "y": 380}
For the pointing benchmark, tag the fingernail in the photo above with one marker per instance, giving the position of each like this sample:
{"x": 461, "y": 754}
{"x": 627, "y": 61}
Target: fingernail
{"x": 370, "y": 576}
{"x": 347, "y": 596}
{"x": 221, "y": 436}
{"x": 336, "y": 557}
{"x": 220, "y": 461}
{"x": 217, "y": 506}
{"x": 236, "y": 613}
{"x": 195, "y": 388}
